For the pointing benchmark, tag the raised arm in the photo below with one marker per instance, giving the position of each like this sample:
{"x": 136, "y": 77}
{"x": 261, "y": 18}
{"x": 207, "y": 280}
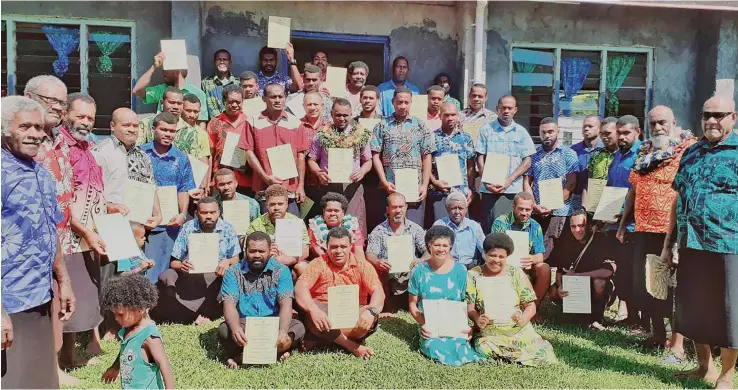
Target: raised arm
{"x": 140, "y": 88}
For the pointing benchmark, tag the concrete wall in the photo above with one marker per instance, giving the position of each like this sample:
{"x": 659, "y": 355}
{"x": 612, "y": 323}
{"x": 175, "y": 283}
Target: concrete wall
{"x": 425, "y": 33}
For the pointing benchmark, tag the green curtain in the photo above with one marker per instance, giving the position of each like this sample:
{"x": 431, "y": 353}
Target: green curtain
{"x": 524, "y": 67}
{"x": 618, "y": 68}
{"x": 108, "y": 44}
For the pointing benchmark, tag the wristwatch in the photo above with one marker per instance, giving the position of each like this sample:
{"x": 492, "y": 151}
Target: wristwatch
{"x": 293, "y": 62}
{"x": 373, "y": 310}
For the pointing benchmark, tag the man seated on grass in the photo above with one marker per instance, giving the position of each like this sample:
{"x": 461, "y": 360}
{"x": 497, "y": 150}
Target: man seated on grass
{"x": 339, "y": 267}
{"x": 259, "y": 286}
{"x": 187, "y": 295}
{"x": 277, "y": 202}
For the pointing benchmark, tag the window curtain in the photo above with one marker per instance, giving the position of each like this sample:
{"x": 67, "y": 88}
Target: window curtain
{"x": 524, "y": 67}
{"x": 573, "y": 73}
{"x": 108, "y": 44}
{"x": 618, "y": 68}
{"x": 64, "y": 41}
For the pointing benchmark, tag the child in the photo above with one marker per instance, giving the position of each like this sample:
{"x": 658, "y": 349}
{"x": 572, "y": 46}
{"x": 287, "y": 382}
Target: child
{"x": 511, "y": 337}
{"x": 142, "y": 357}
{"x": 140, "y": 263}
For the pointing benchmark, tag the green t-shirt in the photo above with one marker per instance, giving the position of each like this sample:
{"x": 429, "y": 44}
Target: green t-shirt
{"x": 155, "y": 93}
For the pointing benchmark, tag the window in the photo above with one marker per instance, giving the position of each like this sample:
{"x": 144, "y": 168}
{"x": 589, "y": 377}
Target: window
{"x": 92, "y": 56}
{"x": 569, "y": 82}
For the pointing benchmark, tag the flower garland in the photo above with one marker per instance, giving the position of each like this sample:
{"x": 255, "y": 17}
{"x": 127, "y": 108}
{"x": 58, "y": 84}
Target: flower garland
{"x": 647, "y": 159}
{"x": 320, "y": 229}
{"x": 329, "y": 137}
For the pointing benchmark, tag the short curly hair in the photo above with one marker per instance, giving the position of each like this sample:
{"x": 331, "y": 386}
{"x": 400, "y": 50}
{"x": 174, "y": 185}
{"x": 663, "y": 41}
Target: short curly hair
{"x": 334, "y": 197}
{"x": 131, "y": 291}
{"x": 498, "y": 240}
{"x": 275, "y": 190}
{"x": 439, "y": 232}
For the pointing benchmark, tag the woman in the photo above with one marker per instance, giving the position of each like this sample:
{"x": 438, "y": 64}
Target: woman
{"x": 334, "y": 207}
{"x": 440, "y": 278}
{"x": 513, "y": 340}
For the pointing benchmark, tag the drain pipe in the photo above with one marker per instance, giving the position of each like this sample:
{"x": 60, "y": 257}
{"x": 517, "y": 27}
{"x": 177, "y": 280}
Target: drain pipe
{"x": 481, "y": 16}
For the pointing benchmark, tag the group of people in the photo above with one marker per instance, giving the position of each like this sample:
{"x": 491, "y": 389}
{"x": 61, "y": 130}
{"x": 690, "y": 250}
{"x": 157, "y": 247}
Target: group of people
{"x": 682, "y": 205}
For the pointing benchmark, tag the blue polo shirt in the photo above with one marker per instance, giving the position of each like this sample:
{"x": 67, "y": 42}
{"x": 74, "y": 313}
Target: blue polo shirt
{"x": 257, "y": 295}
{"x": 618, "y": 175}
{"x": 468, "y": 239}
{"x": 171, "y": 168}
{"x": 387, "y": 92}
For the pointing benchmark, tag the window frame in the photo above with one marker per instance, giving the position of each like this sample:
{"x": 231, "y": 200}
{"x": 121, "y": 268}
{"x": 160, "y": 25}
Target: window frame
{"x": 603, "y": 49}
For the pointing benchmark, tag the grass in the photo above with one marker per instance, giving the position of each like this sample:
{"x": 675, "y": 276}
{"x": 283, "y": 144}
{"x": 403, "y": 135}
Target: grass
{"x": 608, "y": 359}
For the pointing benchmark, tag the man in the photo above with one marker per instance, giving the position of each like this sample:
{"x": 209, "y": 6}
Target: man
{"x": 649, "y": 200}
{"x": 477, "y": 114}
{"x": 268, "y": 73}
{"x": 172, "y": 78}
{"x": 501, "y": 136}
{"x": 31, "y": 253}
{"x": 253, "y": 104}
{"x": 358, "y": 72}
{"x": 584, "y": 149}
{"x": 369, "y": 99}
{"x": 171, "y": 168}
{"x": 396, "y": 224}
{"x": 272, "y": 128}
{"x": 704, "y": 229}
{"x": 580, "y": 254}
{"x": 312, "y": 83}
{"x": 552, "y": 161}
{"x": 387, "y": 90}
{"x": 276, "y": 208}
{"x": 436, "y": 93}
{"x": 444, "y": 81}
{"x": 339, "y": 267}
{"x": 231, "y": 121}
{"x": 601, "y": 158}
{"x": 187, "y": 294}
{"x": 519, "y": 220}
{"x": 213, "y": 86}
{"x": 313, "y": 119}
{"x": 467, "y": 248}
{"x": 373, "y": 193}
{"x": 450, "y": 139}
{"x": 321, "y": 61}
{"x": 343, "y": 134}
{"x": 402, "y": 142}
{"x": 258, "y": 287}
{"x": 225, "y": 182}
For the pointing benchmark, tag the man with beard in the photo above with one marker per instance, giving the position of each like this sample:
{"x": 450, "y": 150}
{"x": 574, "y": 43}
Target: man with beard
{"x": 444, "y": 81}
{"x": 268, "y": 73}
{"x": 358, "y": 72}
{"x": 312, "y": 83}
{"x": 253, "y": 104}
{"x": 369, "y": 100}
{"x": 387, "y": 90}
{"x": 649, "y": 201}
{"x": 231, "y": 121}
{"x": 213, "y": 86}
{"x": 226, "y": 184}
{"x": 260, "y": 286}
{"x": 468, "y": 234}
{"x": 584, "y": 149}
{"x": 192, "y": 297}
{"x": 601, "y": 158}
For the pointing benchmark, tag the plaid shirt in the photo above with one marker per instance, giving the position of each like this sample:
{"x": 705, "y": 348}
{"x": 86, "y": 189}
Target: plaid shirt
{"x": 557, "y": 163}
{"x": 513, "y": 141}
{"x": 402, "y": 144}
{"x": 213, "y": 88}
{"x": 535, "y": 233}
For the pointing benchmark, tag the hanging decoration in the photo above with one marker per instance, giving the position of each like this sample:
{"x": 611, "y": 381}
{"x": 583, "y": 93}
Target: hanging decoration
{"x": 618, "y": 68}
{"x": 573, "y": 74}
{"x": 108, "y": 43}
{"x": 64, "y": 41}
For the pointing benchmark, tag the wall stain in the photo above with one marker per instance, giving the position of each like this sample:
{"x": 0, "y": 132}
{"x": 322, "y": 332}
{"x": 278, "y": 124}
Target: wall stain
{"x": 231, "y": 23}
{"x": 430, "y": 23}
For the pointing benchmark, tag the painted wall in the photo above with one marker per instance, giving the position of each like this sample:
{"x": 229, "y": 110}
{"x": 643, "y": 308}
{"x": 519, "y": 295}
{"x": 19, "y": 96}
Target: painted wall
{"x": 425, "y": 33}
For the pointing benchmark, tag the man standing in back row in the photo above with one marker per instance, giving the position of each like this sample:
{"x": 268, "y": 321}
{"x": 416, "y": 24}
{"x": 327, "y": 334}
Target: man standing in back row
{"x": 387, "y": 90}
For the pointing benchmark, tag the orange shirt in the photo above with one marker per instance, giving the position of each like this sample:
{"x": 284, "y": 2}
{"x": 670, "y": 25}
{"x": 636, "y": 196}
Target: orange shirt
{"x": 321, "y": 274}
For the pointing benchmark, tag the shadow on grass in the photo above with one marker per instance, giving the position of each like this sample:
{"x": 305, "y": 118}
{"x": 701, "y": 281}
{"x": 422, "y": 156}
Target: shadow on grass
{"x": 210, "y": 343}
{"x": 401, "y": 329}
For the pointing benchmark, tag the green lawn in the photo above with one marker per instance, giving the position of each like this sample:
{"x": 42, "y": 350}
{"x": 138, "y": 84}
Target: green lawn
{"x": 610, "y": 359}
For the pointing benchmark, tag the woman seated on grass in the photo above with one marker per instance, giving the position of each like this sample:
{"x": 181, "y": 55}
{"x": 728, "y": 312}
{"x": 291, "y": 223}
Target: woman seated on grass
{"x": 334, "y": 214}
{"x": 505, "y": 332}
{"x": 440, "y": 278}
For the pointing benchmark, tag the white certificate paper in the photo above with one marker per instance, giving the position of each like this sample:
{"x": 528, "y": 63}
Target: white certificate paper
{"x": 445, "y": 318}
{"x": 343, "y": 306}
{"x": 296, "y": 107}
{"x": 335, "y": 81}
{"x": 406, "y": 183}
{"x": 611, "y": 203}
{"x": 203, "y": 252}
{"x": 521, "y": 241}
{"x": 278, "y": 32}
{"x": 340, "y": 164}
{"x": 168, "y": 203}
{"x": 233, "y": 156}
{"x": 449, "y": 169}
{"x": 199, "y": 170}
{"x": 551, "y": 193}
{"x": 115, "y": 230}
{"x": 139, "y": 198}
{"x": 419, "y": 107}
{"x": 175, "y": 54}
{"x": 238, "y": 214}
{"x": 282, "y": 161}
{"x": 579, "y": 300}
{"x": 262, "y": 334}
{"x": 594, "y": 193}
{"x": 288, "y": 236}
{"x": 500, "y": 298}
{"x": 400, "y": 253}
{"x": 496, "y": 167}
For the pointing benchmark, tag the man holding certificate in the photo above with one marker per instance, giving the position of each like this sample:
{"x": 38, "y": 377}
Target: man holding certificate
{"x": 225, "y": 182}
{"x": 369, "y": 117}
{"x": 189, "y": 289}
{"x": 259, "y": 286}
{"x": 231, "y": 121}
{"x": 599, "y": 163}
{"x": 312, "y": 83}
{"x": 268, "y": 73}
{"x": 401, "y": 143}
{"x": 357, "y": 292}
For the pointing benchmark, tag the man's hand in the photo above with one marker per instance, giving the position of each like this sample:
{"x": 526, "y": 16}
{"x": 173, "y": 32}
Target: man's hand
{"x": 117, "y": 208}
{"x": 196, "y": 194}
{"x": 383, "y": 266}
{"x": 570, "y": 272}
{"x": 667, "y": 256}
{"x": 152, "y": 223}
{"x": 186, "y": 267}
{"x": 442, "y": 185}
{"x": 489, "y": 187}
{"x": 469, "y": 198}
{"x": 497, "y": 189}
{"x": 520, "y": 319}
{"x": 239, "y": 336}
{"x": 95, "y": 243}
{"x": 357, "y": 176}
{"x": 68, "y": 301}
{"x": 177, "y": 221}
{"x": 272, "y": 180}
{"x": 561, "y": 293}
{"x": 159, "y": 60}
{"x": 366, "y": 319}
{"x": 544, "y": 211}
{"x": 110, "y": 375}
{"x": 422, "y": 192}
{"x": 425, "y": 333}
{"x": 290, "y": 51}
{"x": 320, "y": 320}
{"x": 324, "y": 178}
{"x": 620, "y": 235}
{"x": 526, "y": 262}
{"x": 467, "y": 334}
{"x": 482, "y": 321}
{"x": 300, "y": 194}
{"x": 7, "y": 331}
{"x": 388, "y": 187}
{"x": 274, "y": 250}
{"x": 223, "y": 266}
{"x": 283, "y": 338}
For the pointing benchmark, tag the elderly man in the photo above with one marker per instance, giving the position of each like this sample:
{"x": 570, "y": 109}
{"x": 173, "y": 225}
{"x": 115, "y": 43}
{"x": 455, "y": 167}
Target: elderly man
{"x": 358, "y": 72}
{"x": 396, "y": 224}
{"x": 444, "y": 80}
{"x": 519, "y": 220}
{"x": 230, "y": 121}
{"x": 704, "y": 228}
{"x": 388, "y": 89}
{"x": 436, "y": 93}
{"x": 579, "y": 254}
{"x": 601, "y": 158}
{"x": 259, "y": 286}
{"x": 312, "y": 83}
{"x": 188, "y": 293}
{"x": 339, "y": 267}
{"x": 31, "y": 253}
{"x": 253, "y": 104}
{"x": 402, "y": 141}
{"x": 213, "y": 86}
{"x": 469, "y": 236}
{"x": 268, "y": 73}
{"x": 505, "y": 137}
{"x": 590, "y": 143}
{"x": 313, "y": 120}
{"x": 451, "y": 140}
{"x": 477, "y": 114}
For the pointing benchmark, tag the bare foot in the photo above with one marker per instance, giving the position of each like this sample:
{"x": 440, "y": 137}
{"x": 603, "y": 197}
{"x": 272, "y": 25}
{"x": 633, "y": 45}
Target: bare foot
{"x": 724, "y": 383}
{"x": 110, "y": 336}
{"x": 284, "y": 356}
{"x": 386, "y": 315}
{"x": 363, "y": 351}
{"x": 231, "y": 364}
{"x": 66, "y": 379}
{"x": 308, "y": 345}
{"x": 201, "y": 320}
{"x": 709, "y": 376}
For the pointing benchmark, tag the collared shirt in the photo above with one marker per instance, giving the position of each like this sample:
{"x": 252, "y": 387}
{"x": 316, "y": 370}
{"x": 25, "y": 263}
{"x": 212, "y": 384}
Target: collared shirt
{"x": 433, "y": 122}
{"x": 257, "y": 295}
{"x": 584, "y": 154}
{"x": 171, "y": 168}
{"x": 557, "y": 163}
{"x": 322, "y": 274}
{"x": 218, "y": 129}
{"x": 618, "y": 174}
{"x": 261, "y": 134}
{"x": 513, "y": 141}
{"x": 535, "y": 234}
{"x": 254, "y": 208}
{"x": 53, "y": 153}
{"x": 599, "y": 163}
{"x": 460, "y": 143}
{"x": 264, "y": 224}
{"x": 277, "y": 78}
{"x": 155, "y": 93}
{"x": 378, "y": 238}
{"x": 89, "y": 197}
{"x": 116, "y": 161}
{"x": 227, "y": 243}
{"x": 30, "y": 214}
{"x": 213, "y": 89}
{"x": 402, "y": 144}
{"x": 468, "y": 240}
{"x": 300, "y": 96}
{"x": 311, "y": 130}
{"x": 192, "y": 140}
{"x": 319, "y": 153}
{"x": 707, "y": 188}
{"x": 387, "y": 92}
{"x": 483, "y": 117}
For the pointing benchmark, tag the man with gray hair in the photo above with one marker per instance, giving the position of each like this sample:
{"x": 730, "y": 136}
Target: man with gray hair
{"x": 358, "y": 72}
{"x": 467, "y": 248}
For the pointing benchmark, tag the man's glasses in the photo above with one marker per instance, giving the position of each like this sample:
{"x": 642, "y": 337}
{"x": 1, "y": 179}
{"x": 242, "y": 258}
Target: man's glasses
{"x": 50, "y": 101}
{"x": 706, "y": 115}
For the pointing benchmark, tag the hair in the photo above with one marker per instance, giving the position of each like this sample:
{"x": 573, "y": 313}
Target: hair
{"x": 548, "y": 120}
{"x": 338, "y": 232}
{"x": 395, "y": 195}
{"x": 131, "y": 291}
{"x": 257, "y": 236}
{"x": 232, "y": 88}
{"x": 439, "y": 231}
{"x": 313, "y": 93}
{"x": 628, "y": 120}
{"x": 164, "y": 116}
{"x": 341, "y": 102}
{"x": 275, "y": 190}
{"x": 609, "y": 120}
{"x": 310, "y": 68}
{"x": 272, "y": 85}
{"x": 398, "y": 58}
{"x": 369, "y": 88}
{"x": 580, "y": 211}
{"x": 224, "y": 172}
{"x": 12, "y": 105}
{"x": 435, "y": 88}
{"x": 267, "y": 50}
{"x": 215, "y": 55}
{"x": 248, "y": 75}
{"x": 437, "y": 79}
{"x": 81, "y": 96}
{"x": 206, "y": 200}
{"x": 503, "y": 97}
{"x": 357, "y": 64}
{"x": 478, "y": 85}
{"x": 334, "y": 197}
{"x": 136, "y": 225}
{"x": 192, "y": 98}
{"x": 400, "y": 90}
{"x": 498, "y": 240}
{"x": 455, "y": 196}
{"x": 599, "y": 120}
{"x": 171, "y": 89}
{"x": 315, "y": 53}
{"x": 35, "y": 83}
{"x": 524, "y": 196}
